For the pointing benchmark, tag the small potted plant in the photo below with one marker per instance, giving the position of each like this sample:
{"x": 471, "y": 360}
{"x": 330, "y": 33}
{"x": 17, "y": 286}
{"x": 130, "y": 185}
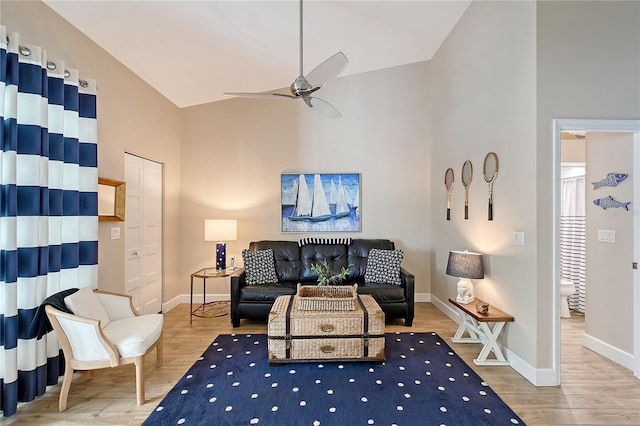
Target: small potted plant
{"x": 326, "y": 275}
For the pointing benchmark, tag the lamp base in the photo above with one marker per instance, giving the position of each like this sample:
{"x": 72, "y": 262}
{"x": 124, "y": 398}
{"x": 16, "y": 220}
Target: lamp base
{"x": 465, "y": 291}
{"x": 221, "y": 256}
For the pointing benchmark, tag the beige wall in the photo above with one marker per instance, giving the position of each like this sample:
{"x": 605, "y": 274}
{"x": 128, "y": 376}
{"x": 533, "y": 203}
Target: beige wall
{"x": 609, "y": 277}
{"x": 572, "y": 151}
{"x": 583, "y": 71}
{"x": 234, "y": 151}
{"x": 484, "y": 99}
{"x": 132, "y": 116}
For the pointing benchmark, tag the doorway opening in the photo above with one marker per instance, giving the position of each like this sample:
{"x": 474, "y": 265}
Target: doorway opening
{"x": 608, "y": 126}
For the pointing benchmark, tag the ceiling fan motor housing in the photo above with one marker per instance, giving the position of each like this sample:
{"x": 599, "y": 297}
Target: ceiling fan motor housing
{"x": 301, "y": 87}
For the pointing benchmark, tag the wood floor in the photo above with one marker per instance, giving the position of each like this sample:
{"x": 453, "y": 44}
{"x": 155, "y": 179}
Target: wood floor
{"x": 595, "y": 391}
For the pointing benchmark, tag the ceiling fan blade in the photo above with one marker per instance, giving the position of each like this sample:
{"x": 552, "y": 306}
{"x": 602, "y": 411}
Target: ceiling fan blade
{"x": 260, "y": 95}
{"x": 323, "y": 107}
{"x": 327, "y": 70}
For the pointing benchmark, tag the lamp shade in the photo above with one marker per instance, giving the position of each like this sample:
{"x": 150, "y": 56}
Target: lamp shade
{"x": 220, "y": 230}
{"x": 464, "y": 264}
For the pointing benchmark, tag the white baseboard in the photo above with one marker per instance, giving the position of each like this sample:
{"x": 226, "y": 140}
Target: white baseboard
{"x": 537, "y": 376}
{"x": 197, "y": 300}
{"x": 446, "y": 308}
{"x": 170, "y": 304}
{"x": 606, "y": 350}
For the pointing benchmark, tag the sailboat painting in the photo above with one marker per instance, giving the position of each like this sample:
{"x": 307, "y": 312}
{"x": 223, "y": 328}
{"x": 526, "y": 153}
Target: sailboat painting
{"x": 320, "y": 202}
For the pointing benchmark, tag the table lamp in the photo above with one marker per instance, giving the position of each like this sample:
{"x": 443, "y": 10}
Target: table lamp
{"x": 465, "y": 265}
{"x": 221, "y": 230}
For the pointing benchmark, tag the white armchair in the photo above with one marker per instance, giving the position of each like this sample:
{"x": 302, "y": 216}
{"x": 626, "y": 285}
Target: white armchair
{"x": 104, "y": 330}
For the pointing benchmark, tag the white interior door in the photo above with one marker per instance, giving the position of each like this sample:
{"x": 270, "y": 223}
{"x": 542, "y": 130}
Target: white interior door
{"x": 152, "y": 236}
{"x": 143, "y": 236}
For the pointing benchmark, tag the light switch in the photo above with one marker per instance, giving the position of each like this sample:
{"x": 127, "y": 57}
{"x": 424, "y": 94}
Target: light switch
{"x": 115, "y": 233}
{"x": 518, "y": 238}
{"x": 607, "y": 235}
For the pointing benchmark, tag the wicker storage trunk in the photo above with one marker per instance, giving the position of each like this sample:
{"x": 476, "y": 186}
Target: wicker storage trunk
{"x": 334, "y": 335}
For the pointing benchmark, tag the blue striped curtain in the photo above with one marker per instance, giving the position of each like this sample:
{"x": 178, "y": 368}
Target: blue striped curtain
{"x": 48, "y": 207}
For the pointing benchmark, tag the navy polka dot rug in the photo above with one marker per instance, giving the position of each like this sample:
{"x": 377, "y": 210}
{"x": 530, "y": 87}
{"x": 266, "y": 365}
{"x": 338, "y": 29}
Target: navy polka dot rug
{"x": 422, "y": 382}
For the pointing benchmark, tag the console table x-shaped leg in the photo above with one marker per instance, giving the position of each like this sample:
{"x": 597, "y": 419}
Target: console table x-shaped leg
{"x": 480, "y": 331}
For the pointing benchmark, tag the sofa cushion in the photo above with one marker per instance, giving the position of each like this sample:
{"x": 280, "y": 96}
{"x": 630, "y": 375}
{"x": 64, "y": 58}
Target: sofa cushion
{"x": 383, "y": 266}
{"x": 259, "y": 266}
{"x": 383, "y": 293}
{"x": 85, "y": 303}
{"x": 334, "y": 254}
{"x": 286, "y": 255}
{"x": 358, "y": 252}
{"x": 267, "y": 292}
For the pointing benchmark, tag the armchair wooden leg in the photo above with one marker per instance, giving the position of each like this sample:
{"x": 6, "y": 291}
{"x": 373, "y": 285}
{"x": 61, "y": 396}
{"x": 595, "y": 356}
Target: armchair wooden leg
{"x": 66, "y": 385}
{"x": 159, "y": 354}
{"x": 140, "y": 379}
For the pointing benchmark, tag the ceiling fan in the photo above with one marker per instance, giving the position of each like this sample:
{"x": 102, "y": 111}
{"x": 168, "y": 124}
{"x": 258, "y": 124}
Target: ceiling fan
{"x": 303, "y": 87}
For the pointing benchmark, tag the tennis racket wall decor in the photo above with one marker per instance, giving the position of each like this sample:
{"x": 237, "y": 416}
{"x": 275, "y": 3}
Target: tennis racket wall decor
{"x": 448, "y": 183}
{"x": 490, "y": 171}
{"x": 467, "y": 177}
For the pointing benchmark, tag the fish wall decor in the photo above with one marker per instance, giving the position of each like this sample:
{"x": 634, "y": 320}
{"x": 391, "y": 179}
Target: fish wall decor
{"x": 609, "y": 202}
{"x": 612, "y": 179}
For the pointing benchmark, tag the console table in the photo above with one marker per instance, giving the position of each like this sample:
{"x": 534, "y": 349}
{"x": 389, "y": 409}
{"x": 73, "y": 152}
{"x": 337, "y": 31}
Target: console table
{"x": 477, "y": 326}
{"x": 207, "y": 309}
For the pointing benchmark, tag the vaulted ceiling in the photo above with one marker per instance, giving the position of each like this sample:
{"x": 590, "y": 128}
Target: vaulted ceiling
{"x": 194, "y": 51}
